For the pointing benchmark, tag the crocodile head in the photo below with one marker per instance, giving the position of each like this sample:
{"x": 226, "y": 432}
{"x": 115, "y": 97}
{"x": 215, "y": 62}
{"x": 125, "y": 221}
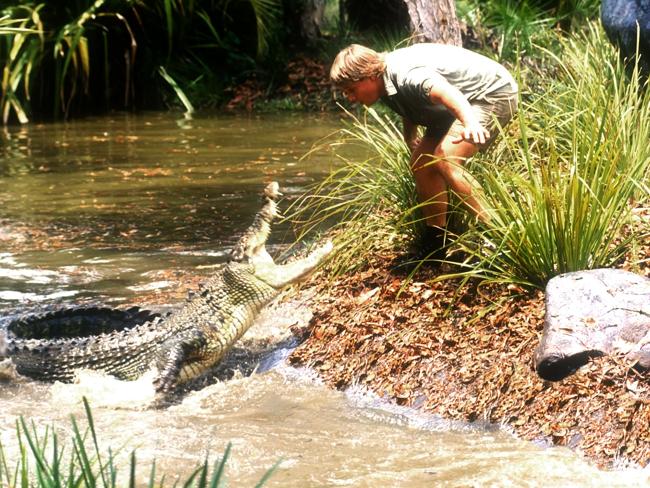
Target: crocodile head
{"x": 189, "y": 340}
{"x": 251, "y": 248}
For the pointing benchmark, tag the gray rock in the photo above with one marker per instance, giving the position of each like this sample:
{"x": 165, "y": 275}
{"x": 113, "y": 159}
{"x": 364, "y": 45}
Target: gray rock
{"x": 621, "y": 19}
{"x": 593, "y": 313}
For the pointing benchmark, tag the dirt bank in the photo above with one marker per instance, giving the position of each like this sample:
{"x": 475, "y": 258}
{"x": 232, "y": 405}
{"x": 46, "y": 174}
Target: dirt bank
{"x": 470, "y": 358}
{"x": 464, "y": 355}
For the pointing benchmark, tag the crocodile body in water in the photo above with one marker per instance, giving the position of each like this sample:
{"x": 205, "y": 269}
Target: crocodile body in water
{"x": 181, "y": 345}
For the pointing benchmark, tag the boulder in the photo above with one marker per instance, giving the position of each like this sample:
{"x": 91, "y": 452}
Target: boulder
{"x": 620, "y": 18}
{"x": 593, "y": 313}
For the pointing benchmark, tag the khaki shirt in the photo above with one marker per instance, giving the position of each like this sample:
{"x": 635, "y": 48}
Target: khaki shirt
{"x": 412, "y": 71}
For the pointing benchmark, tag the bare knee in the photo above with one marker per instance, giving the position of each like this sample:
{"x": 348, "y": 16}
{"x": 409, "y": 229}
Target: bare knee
{"x": 424, "y": 155}
{"x": 421, "y": 163}
{"x": 445, "y": 168}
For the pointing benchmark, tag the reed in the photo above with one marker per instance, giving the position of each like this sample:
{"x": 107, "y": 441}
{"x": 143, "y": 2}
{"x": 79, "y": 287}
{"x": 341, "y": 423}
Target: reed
{"x": 560, "y": 183}
{"x": 45, "y": 463}
{"x": 65, "y": 57}
{"x": 563, "y": 186}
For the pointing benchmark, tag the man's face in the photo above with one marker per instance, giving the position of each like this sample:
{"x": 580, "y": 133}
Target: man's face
{"x": 366, "y": 91}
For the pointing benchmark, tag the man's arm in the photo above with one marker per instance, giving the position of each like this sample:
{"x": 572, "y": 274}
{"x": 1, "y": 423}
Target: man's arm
{"x": 410, "y": 133}
{"x": 451, "y": 97}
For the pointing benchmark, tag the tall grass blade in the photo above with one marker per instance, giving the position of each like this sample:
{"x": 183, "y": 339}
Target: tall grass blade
{"x": 189, "y": 109}
{"x": 218, "y": 478}
{"x": 93, "y": 433}
{"x": 132, "y": 463}
{"x": 198, "y": 472}
{"x": 152, "y": 474}
{"x": 4, "y": 468}
{"x": 266, "y": 15}
{"x": 85, "y": 464}
{"x": 43, "y": 469}
{"x": 268, "y": 474}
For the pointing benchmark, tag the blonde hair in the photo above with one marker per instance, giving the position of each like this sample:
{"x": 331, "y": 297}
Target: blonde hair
{"x": 355, "y": 63}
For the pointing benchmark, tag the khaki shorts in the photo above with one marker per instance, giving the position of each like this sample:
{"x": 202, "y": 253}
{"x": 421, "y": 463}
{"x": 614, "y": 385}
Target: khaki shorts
{"x": 493, "y": 116}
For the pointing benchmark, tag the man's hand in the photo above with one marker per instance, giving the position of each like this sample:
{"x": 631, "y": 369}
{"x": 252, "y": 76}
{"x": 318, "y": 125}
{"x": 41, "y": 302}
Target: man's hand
{"x": 413, "y": 143}
{"x": 473, "y": 132}
{"x": 452, "y": 98}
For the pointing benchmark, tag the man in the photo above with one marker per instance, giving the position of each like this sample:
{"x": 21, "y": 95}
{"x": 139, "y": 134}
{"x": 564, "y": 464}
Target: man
{"x": 459, "y": 96}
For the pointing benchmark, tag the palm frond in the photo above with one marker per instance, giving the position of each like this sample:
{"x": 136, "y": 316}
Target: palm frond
{"x": 266, "y": 14}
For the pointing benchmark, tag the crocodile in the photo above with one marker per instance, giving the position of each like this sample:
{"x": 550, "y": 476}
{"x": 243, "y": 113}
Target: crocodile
{"x": 181, "y": 345}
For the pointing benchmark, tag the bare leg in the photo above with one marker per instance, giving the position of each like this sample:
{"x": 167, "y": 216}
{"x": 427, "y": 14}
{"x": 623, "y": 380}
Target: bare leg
{"x": 429, "y": 182}
{"x": 438, "y": 165}
{"x": 451, "y": 158}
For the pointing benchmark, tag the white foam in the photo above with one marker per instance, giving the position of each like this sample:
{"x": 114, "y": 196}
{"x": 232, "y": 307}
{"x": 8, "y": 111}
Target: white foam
{"x": 103, "y": 390}
{"x": 12, "y": 295}
{"x": 38, "y": 276}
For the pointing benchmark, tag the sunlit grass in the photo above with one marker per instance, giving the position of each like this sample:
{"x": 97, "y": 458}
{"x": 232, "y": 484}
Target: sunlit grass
{"x": 562, "y": 188}
{"x": 370, "y": 203}
{"x": 560, "y": 181}
{"x": 46, "y": 462}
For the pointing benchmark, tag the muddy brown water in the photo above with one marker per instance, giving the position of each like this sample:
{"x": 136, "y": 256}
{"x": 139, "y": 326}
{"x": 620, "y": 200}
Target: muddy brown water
{"x": 107, "y": 209}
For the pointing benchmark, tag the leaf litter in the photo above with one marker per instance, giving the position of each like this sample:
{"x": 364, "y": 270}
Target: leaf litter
{"x": 470, "y": 358}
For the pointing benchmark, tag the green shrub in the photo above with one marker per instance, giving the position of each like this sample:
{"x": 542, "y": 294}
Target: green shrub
{"x": 559, "y": 183}
{"x": 561, "y": 187}
{"x": 64, "y": 57}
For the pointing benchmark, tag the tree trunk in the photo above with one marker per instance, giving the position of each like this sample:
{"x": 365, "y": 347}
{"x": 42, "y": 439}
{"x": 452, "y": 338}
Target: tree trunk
{"x": 311, "y": 19}
{"x": 434, "y": 21}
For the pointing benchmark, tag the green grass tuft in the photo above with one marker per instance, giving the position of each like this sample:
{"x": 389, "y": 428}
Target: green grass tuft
{"x": 562, "y": 186}
{"x": 368, "y": 204}
{"x": 42, "y": 465}
{"x": 561, "y": 182}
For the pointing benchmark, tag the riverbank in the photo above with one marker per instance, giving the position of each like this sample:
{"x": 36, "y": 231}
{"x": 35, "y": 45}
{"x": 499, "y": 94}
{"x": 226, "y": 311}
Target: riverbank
{"x": 307, "y": 87}
{"x": 468, "y": 355}
{"x": 464, "y": 355}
